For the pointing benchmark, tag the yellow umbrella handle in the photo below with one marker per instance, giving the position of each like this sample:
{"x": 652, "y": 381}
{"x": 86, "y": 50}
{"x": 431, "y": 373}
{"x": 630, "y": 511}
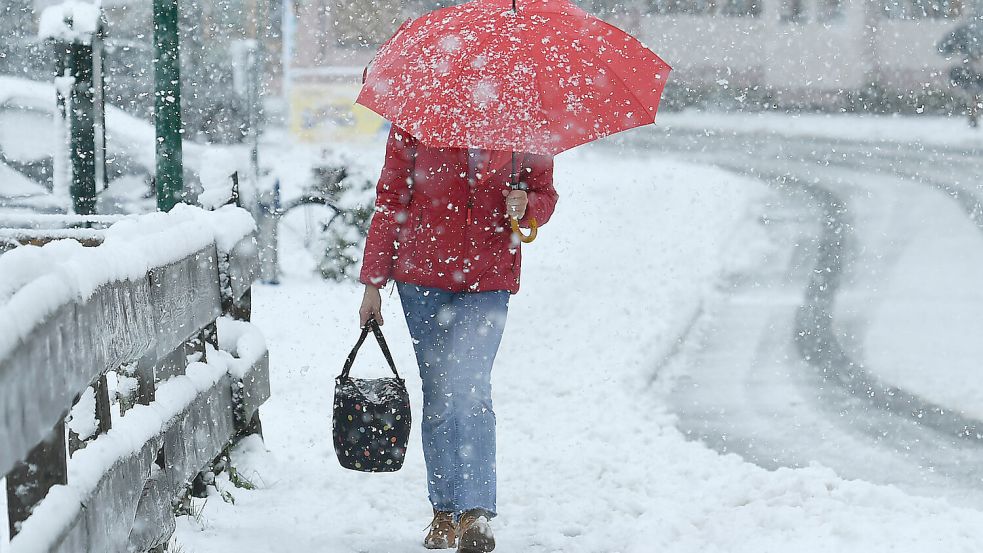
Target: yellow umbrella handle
{"x": 533, "y": 227}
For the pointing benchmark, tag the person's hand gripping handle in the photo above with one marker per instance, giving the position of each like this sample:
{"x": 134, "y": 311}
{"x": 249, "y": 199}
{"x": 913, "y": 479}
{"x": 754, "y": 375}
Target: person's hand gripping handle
{"x": 371, "y": 306}
{"x": 516, "y": 202}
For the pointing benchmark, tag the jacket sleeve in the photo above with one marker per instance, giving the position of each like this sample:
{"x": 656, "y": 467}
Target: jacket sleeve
{"x": 392, "y": 199}
{"x": 541, "y": 194}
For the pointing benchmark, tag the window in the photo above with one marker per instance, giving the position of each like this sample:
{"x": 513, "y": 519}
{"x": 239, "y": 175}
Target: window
{"x": 922, "y": 9}
{"x": 735, "y": 8}
{"x": 740, "y": 8}
{"x": 793, "y": 11}
{"x": 830, "y": 10}
{"x": 801, "y": 11}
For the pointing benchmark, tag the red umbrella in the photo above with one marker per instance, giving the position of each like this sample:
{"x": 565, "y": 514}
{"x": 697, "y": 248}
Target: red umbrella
{"x": 539, "y": 76}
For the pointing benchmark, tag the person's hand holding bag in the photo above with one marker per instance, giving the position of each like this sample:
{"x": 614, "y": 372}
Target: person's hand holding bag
{"x": 371, "y": 306}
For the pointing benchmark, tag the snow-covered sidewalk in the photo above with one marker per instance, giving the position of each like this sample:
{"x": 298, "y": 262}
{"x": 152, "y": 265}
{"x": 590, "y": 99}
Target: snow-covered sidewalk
{"x": 589, "y": 462}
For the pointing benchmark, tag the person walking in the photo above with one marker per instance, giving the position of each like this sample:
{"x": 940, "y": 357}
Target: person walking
{"x": 441, "y": 231}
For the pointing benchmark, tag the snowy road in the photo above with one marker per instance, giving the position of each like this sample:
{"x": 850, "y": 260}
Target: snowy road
{"x": 781, "y": 368}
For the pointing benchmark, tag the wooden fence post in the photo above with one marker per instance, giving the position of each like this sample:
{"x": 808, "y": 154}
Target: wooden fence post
{"x": 27, "y": 484}
{"x": 144, "y": 370}
{"x": 104, "y": 413}
{"x": 207, "y": 337}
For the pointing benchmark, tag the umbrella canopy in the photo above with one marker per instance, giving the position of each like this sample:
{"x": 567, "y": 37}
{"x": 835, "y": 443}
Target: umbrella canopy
{"x": 542, "y": 76}
{"x": 965, "y": 40}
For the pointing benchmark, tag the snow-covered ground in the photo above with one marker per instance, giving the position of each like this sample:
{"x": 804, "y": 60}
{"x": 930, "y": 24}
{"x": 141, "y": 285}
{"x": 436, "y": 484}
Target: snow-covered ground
{"x": 925, "y": 334}
{"x": 589, "y": 459}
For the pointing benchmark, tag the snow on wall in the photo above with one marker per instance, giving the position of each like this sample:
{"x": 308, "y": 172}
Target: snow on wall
{"x": 34, "y": 281}
{"x": 214, "y": 172}
{"x": 71, "y": 21}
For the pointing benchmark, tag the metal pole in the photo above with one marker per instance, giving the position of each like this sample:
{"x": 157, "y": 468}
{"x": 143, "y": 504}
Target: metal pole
{"x": 76, "y": 169}
{"x": 167, "y": 105}
{"x": 287, "y": 26}
{"x": 99, "y": 105}
{"x": 83, "y": 132}
{"x": 254, "y": 106}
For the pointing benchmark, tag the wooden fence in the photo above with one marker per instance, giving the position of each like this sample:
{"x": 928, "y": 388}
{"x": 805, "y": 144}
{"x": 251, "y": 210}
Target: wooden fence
{"x": 112, "y": 489}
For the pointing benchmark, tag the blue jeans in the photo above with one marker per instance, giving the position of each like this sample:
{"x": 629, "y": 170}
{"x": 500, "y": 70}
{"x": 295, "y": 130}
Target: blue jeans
{"x": 456, "y": 337}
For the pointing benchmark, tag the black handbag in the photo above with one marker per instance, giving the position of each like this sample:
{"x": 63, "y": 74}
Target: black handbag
{"x": 371, "y": 422}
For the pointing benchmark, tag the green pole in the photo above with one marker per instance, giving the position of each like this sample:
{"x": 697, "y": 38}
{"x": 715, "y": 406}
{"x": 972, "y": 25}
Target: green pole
{"x": 167, "y": 105}
{"x": 83, "y": 133}
{"x": 74, "y": 60}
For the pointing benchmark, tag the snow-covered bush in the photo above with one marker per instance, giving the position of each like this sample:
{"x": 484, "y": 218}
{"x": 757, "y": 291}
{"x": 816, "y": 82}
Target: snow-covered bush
{"x": 345, "y": 236}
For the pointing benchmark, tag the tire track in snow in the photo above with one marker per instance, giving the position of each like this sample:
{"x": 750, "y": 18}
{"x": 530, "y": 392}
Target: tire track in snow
{"x": 846, "y": 388}
{"x": 816, "y": 337}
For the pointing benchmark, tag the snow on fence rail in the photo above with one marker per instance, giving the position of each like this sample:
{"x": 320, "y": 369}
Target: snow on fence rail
{"x": 136, "y": 311}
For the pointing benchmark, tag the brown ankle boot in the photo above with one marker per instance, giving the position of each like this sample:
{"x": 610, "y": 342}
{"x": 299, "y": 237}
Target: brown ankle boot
{"x": 474, "y": 533}
{"x": 442, "y": 533}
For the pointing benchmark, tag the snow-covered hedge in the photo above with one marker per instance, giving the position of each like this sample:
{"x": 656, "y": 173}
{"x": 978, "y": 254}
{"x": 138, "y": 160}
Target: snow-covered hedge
{"x": 346, "y": 236}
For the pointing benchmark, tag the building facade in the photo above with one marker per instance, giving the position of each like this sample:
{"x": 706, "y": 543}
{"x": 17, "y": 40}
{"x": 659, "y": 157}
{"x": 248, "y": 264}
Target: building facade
{"x": 822, "y": 53}
{"x": 807, "y": 51}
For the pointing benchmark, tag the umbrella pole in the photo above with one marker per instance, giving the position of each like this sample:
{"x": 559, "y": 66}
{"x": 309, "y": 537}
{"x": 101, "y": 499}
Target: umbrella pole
{"x": 513, "y": 179}
{"x": 515, "y": 184}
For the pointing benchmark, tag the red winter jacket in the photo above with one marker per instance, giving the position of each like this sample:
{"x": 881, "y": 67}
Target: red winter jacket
{"x": 434, "y": 226}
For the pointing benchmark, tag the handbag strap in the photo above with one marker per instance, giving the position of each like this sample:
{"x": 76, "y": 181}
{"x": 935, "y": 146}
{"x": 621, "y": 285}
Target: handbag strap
{"x": 372, "y": 326}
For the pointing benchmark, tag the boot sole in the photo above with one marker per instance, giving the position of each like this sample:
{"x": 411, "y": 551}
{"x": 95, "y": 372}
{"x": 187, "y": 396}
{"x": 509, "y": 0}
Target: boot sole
{"x": 481, "y": 548}
{"x": 479, "y": 544}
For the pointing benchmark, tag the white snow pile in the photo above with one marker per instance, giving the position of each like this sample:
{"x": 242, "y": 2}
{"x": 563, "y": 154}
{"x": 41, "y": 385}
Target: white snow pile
{"x": 34, "y": 281}
{"x": 253, "y": 462}
{"x": 214, "y": 171}
{"x": 244, "y": 343}
{"x": 70, "y": 21}
{"x": 82, "y": 419}
{"x": 588, "y": 459}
